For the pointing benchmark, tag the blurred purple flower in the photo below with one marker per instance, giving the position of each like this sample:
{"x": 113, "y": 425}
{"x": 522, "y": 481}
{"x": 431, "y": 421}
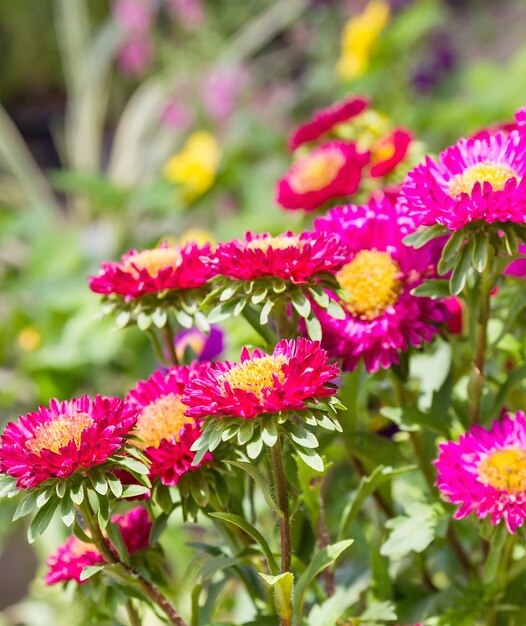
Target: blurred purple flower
{"x": 438, "y": 62}
{"x": 189, "y": 12}
{"x": 177, "y": 116}
{"x": 220, "y": 88}
{"x": 206, "y": 347}
{"x": 134, "y": 15}
{"x": 518, "y": 267}
{"x": 135, "y": 55}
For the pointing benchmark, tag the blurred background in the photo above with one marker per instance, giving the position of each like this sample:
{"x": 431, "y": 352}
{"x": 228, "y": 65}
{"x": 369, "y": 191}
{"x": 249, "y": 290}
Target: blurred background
{"x": 127, "y": 122}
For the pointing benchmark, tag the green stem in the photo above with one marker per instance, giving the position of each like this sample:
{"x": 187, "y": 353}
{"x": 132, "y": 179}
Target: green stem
{"x": 133, "y": 616}
{"x": 157, "y": 348}
{"x": 149, "y": 589}
{"x": 169, "y": 341}
{"x": 252, "y": 317}
{"x": 282, "y": 493}
{"x": 476, "y": 383}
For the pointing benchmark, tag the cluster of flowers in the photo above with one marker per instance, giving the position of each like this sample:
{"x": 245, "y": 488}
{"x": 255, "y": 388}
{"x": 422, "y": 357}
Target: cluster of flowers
{"x": 479, "y": 180}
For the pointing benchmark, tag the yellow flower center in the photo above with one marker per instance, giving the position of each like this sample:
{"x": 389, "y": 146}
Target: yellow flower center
{"x": 372, "y": 283}
{"x": 382, "y": 151}
{"x": 57, "y": 433}
{"x": 497, "y": 174}
{"x": 504, "y": 470}
{"x": 256, "y": 374}
{"x": 276, "y": 243}
{"x": 161, "y": 419}
{"x": 153, "y": 261}
{"x": 316, "y": 171}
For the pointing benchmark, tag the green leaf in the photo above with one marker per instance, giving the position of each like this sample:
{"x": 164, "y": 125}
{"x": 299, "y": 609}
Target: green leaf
{"x": 183, "y": 318}
{"x": 334, "y": 309}
{"x": 90, "y": 571}
{"x": 218, "y": 564}
{"x": 300, "y": 303}
{"x": 159, "y": 317}
{"x": 42, "y": 519}
{"x": 260, "y": 481}
{"x": 368, "y": 485}
{"x": 480, "y": 253}
{"x": 451, "y": 252}
{"x": 310, "y": 458}
{"x": 228, "y": 292}
{"x": 438, "y": 288}
{"x": 158, "y": 527}
{"x": 313, "y": 327}
{"x": 60, "y": 489}
{"x": 412, "y": 419}
{"x": 269, "y": 434}
{"x": 44, "y": 496}
{"x": 67, "y": 511}
{"x": 122, "y": 319}
{"x": 379, "y": 612}
{"x": 321, "y": 560}
{"x": 199, "y": 489}
{"x": 144, "y": 321}
{"x": 132, "y": 465}
{"x": 245, "y": 433}
{"x": 423, "y": 236}
{"x": 103, "y": 513}
{"x": 98, "y": 480}
{"x": 254, "y": 448}
{"x": 462, "y": 269}
{"x": 132, "y": 491}
{"x": 259, "y": 295}
{"x": 26, "y": 505}
{"x": 320, "y": 297}
{"x": 251, "y": 532}
{"x": 265, "y": 311}
{"x": 115, "y": 485}
{"x": 302, "y": 436}
{"x": 282, "y": 586}
{"x": 115, "y": 537}
{"x": 77, "y": 493}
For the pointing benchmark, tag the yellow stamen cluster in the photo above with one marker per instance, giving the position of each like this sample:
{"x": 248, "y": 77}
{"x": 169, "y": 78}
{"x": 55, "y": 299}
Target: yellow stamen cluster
{"x": 372, "y": 283}
{"x": 276, "y": 243}
{"x": 153, "y": 261}
{"x": 504, "y": 470}
{"x": 382, "y": 151}
{"x": 256, "y": 374}
{"x": 161, "y": 419}
{"x": 316, "y": 171}
{"x": 60, "y": 431}
{"x": 497, "y": 174}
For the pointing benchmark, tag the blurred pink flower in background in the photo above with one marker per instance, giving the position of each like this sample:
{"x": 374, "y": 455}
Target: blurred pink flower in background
{"x": 518, "y": 267}
{"x": 220, "y": 88}
{"x": 135, "y": 55}
{"x": 177, "y": 116}
{"x": 189, "y": 12}
{"x": 135, "y": 17}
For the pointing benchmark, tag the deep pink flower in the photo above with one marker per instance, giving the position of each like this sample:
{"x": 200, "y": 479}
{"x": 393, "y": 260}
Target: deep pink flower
{"x": 333, "y": 170}
{"x": 455, "y": 323}
{"x": 135, "y": 54}
{"x": 518, "y": 267}
{"x": 478, "y": 179}
{"x": 294, "y": 258}
{"x": 325, "y": 120}
{"x": 485, "y": 471}
{"x": 65, "y": 438}
{"x": 382, "y": 318}
{"x": 134, "y": 15}
{"x": 167, "y": 432}
{"x": 389, "y": 152}
{"x": 153, "y": 271}
{"x": 220, "y": 89}
{"x": 69, "y": 559}
{"x": 295, "y": 373}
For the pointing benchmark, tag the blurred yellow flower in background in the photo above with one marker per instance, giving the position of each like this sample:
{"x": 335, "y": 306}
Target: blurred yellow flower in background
{"x": 200, "y": 236}
{"x": 195, "y": 166}
{"x": 29, "y": 339}
{"x": 358, "y": 38}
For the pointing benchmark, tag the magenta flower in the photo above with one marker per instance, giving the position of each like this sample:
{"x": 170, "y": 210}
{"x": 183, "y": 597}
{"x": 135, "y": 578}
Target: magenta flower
{"x": 481, "y": 179}
{"x": 167, "y": 433}
{"x": 296, "y": 373}
{"x": 69, "y": 559}
{"x": 382, "y": 318}
{"x": 153, "y": 271}
{"x": 518, "y": 267}
{"x": 485, "y": 472}
{"x": 333, "y": 170}
{"x": 207, "y": 347}
{"x": 66, "y": 438}
{"x": 389, "y": 152}
{"x": 325, "y": 120}
{"x": 294, "y": 258}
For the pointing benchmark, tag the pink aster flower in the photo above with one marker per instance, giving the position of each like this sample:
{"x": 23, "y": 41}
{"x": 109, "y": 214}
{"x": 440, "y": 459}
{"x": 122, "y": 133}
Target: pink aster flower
{"x": 333, "y": 170}
{"x": 382, "y": 318}
{"x": 153, "y": 271}
{"x": 518, "y": 267}
{"x": 65, "y": 438}
{"x": 477, "y": 180}
{"x": 325, "y": 120}
{"x": 68, "y": 561}
{"x": 294, "y": 258}
{"x": 297, "y": 372}
{"x": 485, "y": 471}
{"x": 167, "y": 433}
{"x": 389, "y": 152}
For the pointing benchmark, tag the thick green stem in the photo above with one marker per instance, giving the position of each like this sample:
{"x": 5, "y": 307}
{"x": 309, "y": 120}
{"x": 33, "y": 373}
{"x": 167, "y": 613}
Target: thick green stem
{"x": 282, "y": 493}
{"x": 149, "y": 589}
{"x": 169, "y": 340}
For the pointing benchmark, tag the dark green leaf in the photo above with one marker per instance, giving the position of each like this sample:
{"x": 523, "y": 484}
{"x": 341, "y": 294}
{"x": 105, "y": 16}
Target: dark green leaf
{"x": 42, "y": 519}
{"x": 423, "y": 236}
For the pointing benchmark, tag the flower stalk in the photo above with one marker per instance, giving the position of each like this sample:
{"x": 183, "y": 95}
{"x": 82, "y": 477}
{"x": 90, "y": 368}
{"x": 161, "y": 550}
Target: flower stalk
{"x": 281, "y": 487}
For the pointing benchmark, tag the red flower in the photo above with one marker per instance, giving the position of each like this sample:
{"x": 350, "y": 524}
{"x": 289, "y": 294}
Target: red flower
{"x": 153, "y": 271}
{"x": 65, "y": 438}
{"x": 389, "y": 151}
{"x": 325, "y": 120}
{"x": 297, "y": 372}
{"x": 331, "y": 171}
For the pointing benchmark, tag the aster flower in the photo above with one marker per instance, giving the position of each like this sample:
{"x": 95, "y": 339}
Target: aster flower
{"x": 65, "y": 439}
{"x": 166, "y": 433}
{"x": 382, "y": 318}
{"x": 485, "y": 472}
{"x": 144, "y": 284}
{"x": 324, "y": 120}
{"x": 206, "y": 347}
{"x": 69, "y": 559}
{"x": 388, "y": 152}
{"x": 271, "y": 392}
{"x": 333, "y": 170}
{"x": 476, "y": 182}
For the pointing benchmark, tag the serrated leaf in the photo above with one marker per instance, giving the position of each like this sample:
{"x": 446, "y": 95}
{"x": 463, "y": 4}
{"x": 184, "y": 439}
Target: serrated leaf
{"x": 42, "y": 519}
{"x": 252, "y": 532}
{"x": 90, "y": 571}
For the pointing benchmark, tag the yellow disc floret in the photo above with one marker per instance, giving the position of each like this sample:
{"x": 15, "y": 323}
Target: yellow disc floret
{"x": 276, "y": 243}
{"x": 316, "y": 171}
{"x": 497, "y": 174}
{"x": 153, "y": 261}
{"x": 372, "y": 283}
{"x": 256, "y": 374}
{"x": 59, "y": 432}
{"x": 504, "y": 470}
{"x": 161, "y": 419}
